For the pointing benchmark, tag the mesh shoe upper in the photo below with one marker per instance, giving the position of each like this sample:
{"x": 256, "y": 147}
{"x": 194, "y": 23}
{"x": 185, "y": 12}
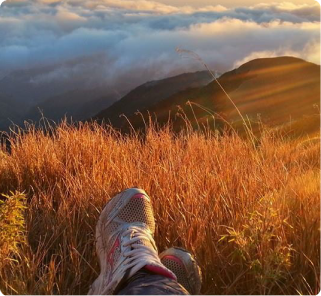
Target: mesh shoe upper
{"x": 138, "y": 209}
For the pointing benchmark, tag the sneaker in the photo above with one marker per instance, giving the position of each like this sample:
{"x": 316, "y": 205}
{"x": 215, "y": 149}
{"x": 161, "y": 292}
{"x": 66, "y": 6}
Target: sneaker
{"x": 185, "y": 267}
{"x": 124, "y": 241}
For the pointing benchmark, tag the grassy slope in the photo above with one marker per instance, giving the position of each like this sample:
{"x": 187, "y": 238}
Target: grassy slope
{"x": 275, "y": 89}
{"x": 251, "y": 216}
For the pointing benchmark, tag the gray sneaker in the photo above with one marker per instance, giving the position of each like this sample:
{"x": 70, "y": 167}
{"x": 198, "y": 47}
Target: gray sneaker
{"x": 124, "y": 241}
{"x": 185, "y": 267}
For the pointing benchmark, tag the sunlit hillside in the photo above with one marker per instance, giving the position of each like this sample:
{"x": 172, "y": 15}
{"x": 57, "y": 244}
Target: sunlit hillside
{"x": 250, "y": 213}
{"x": 275, "y": 91}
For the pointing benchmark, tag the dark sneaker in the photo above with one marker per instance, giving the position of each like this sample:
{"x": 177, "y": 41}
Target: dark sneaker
{"x": 185, "y": 267}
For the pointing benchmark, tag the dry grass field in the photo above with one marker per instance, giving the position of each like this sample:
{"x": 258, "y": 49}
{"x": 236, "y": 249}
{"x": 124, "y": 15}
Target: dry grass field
{"x": 250, "y": 214}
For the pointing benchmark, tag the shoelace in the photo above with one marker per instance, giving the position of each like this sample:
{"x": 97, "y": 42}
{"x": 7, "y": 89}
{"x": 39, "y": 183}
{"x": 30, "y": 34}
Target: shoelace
{"x": 138, "y": 255}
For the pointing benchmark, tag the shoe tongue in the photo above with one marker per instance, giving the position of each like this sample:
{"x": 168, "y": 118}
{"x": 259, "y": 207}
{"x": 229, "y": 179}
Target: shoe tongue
{"x": 154, "y": 268}
{"x": 144, "y": 241}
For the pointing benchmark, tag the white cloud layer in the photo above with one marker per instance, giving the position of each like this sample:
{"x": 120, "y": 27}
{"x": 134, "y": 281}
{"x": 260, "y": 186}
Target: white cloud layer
{"x": 137, "y": 39}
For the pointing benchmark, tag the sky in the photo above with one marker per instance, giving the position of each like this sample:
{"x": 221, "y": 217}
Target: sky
{"x": 107, "y": 40}
{"x": 227, "y": 3}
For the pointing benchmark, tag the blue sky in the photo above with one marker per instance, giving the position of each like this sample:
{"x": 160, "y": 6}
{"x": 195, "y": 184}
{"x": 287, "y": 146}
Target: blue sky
{"x": 120, "y": 38}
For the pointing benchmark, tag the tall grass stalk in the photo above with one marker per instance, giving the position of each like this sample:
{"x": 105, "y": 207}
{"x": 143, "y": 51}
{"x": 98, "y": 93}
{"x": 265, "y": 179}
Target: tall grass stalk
{"x": 196, "y": 57}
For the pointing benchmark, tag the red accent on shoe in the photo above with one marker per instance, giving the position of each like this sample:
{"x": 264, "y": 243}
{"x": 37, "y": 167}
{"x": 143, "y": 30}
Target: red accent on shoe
{"x": 110, "y": 256}
{"x": 138, "y": 195}
{"x": 169, "y": 257}
{"x": 160, "y": 271}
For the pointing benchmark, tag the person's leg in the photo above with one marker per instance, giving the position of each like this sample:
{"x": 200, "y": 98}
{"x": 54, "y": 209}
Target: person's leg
{"x": 181, "y": 263}
{"x": 127, "y": 251}
{"x": 145, "y": 282}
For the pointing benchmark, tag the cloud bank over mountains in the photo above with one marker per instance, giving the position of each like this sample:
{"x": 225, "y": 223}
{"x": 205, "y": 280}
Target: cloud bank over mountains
{"x": 136, "y": 40}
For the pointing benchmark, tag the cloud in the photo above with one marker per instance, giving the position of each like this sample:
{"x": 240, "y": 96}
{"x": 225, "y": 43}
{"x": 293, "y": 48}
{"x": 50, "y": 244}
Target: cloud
{"x": 123, "y": 38}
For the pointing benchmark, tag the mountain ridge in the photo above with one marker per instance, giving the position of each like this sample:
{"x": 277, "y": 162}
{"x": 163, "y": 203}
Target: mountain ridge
{"x": 275, "y": 89}
{"x": 151, "y": 92}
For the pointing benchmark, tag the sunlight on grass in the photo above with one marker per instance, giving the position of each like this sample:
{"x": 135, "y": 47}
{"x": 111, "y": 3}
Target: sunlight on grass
{"x": 251, "y": 215}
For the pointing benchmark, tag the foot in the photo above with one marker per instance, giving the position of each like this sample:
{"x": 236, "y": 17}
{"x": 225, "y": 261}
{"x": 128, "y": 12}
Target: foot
{"x": 124, "y": 241}
{"x": 186, "y": 269}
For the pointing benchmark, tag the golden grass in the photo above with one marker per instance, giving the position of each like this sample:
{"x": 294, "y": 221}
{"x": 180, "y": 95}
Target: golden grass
{"x": 250, "y": 215}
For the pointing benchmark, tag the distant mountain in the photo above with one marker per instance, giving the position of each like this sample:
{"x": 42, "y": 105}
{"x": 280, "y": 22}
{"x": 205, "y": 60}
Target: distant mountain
{"x": 10, "y": 111}
{"x": 39, "y": 83}
{"x": 36, "y": 84}
{"x": 277, "y": 90}
{"x": 149, "y": 94}
{"x": 76, "y": 88}
{"x": 75, "y": 104}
